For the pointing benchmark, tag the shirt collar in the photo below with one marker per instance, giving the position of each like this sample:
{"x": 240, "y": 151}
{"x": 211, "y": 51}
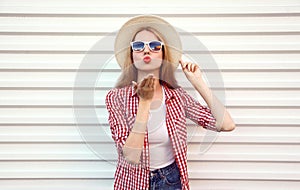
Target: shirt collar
{"x": 133, "y": 93}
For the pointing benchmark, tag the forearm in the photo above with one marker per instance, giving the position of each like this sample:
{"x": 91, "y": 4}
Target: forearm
{"x": 134, "y": 144}
{"x": 223, "y": 118}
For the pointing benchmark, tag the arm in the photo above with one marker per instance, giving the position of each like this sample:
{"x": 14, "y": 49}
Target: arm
{"x": 224, "y": 122}
{"x": 130, "y": 145}
{"x": 134, "y": 144}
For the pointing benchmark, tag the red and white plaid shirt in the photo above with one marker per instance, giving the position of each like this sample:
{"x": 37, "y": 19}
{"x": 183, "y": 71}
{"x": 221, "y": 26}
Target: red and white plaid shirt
{"x": 122, "y": 104}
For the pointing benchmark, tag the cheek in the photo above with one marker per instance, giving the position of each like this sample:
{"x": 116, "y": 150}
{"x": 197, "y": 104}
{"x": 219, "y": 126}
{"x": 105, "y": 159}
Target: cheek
{"x": 136, "y": 57}
{"x": 160, "y": 55}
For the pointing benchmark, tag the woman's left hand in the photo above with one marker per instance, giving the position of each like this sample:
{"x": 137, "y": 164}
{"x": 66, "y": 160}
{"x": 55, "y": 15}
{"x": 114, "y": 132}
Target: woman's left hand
{"x": 191, "y": 71}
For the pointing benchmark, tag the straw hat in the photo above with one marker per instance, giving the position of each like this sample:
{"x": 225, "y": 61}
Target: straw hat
{"x": 132, "y": 26}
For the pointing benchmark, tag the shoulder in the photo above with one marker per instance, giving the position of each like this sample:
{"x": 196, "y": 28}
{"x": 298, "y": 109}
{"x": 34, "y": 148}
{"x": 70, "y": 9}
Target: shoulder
{"x": 178, "y": 92}
{"x": 184, "y": 96}
{"x": 119, "y": 91}
{"x": 115, "y": 94}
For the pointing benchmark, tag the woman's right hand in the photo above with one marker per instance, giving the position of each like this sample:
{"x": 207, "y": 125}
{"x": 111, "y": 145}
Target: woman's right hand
{"x": 145, "y": 88}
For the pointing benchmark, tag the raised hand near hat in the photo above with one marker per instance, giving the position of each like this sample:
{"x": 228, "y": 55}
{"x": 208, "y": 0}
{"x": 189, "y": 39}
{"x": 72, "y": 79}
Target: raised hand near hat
{"x": 191, "y": 70}
{"x": 224, "y": 122}
{"x": 145, "y": 88}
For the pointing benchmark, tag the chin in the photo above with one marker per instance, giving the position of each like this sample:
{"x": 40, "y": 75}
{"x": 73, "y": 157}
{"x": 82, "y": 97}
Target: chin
{"x": 147, "y": 66}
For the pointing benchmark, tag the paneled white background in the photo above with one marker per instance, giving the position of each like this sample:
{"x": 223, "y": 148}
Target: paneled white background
{"x": 256, "y": 45}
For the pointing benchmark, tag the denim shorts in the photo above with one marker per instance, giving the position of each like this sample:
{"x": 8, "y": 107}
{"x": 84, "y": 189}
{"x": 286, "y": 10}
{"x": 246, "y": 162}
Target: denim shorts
{"x": 167, "y": 178}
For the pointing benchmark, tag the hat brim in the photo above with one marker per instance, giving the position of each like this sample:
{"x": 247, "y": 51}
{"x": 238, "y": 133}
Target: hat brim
{"x": 132, "y": 26}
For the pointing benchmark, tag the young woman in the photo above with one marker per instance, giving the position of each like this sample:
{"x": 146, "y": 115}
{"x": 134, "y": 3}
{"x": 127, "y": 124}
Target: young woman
{"x": 148, "y": 109}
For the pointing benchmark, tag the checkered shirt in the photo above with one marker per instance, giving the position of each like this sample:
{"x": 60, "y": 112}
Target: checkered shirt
{"x": 122, "y": 104}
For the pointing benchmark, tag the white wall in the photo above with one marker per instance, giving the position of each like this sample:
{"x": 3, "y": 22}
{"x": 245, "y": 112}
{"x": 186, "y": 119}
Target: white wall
{"x": 256, "y": 45}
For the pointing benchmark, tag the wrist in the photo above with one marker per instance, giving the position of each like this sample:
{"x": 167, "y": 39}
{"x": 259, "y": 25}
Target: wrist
{"x": 145, "y": 103}
{"x": 198, "y": 81}
{"x": 143, "y": 111}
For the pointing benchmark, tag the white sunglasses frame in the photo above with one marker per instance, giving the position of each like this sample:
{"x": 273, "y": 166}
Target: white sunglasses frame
{"x": 146, "y": 43}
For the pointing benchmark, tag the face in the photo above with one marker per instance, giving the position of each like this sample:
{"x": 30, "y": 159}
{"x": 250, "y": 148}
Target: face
{"x": 147, "y": 60}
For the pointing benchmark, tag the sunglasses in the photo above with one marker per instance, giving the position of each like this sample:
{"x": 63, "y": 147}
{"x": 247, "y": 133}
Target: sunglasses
{"x": 154, "y": 46}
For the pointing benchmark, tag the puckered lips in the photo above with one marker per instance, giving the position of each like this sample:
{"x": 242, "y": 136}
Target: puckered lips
{"x": 147, "y": 59}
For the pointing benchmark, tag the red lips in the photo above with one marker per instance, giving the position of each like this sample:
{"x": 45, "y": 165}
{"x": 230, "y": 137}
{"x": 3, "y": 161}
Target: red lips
{"x": 147, "y": 59}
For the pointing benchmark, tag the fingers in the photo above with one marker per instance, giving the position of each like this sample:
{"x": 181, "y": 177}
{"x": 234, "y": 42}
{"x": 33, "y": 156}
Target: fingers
{"x": 148, "y": 81}
{"x": 143, "y": 82}
{"x": 152, "y": 83}
{"x": 135, "y": 85}
{"x": 183, "y": 64}
{"x": 188, "y": 65}
{"x": 145, "y": 88}
{"x": 194, "y": 67}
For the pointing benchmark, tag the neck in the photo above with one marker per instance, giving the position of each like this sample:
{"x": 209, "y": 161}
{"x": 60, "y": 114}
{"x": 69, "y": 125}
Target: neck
{"x": 143, "y": 74}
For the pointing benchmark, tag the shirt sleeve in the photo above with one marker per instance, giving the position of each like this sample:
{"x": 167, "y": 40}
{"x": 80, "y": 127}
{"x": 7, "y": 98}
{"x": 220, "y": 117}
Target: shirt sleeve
{"x": 116, "y": 119}
{"x": 198, "y": 113}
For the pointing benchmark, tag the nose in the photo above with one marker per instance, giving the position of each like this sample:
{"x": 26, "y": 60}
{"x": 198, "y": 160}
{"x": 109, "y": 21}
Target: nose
{"x": 146, "y": 49}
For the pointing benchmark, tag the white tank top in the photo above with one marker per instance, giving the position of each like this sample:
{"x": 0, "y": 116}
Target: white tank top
{"x": 161, "y": 151}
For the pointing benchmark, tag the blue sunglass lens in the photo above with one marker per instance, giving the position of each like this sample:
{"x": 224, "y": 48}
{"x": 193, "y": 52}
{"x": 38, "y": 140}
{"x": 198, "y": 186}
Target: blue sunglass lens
{"x": 138, "y": 46}
{"x": 155, "y": 46}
